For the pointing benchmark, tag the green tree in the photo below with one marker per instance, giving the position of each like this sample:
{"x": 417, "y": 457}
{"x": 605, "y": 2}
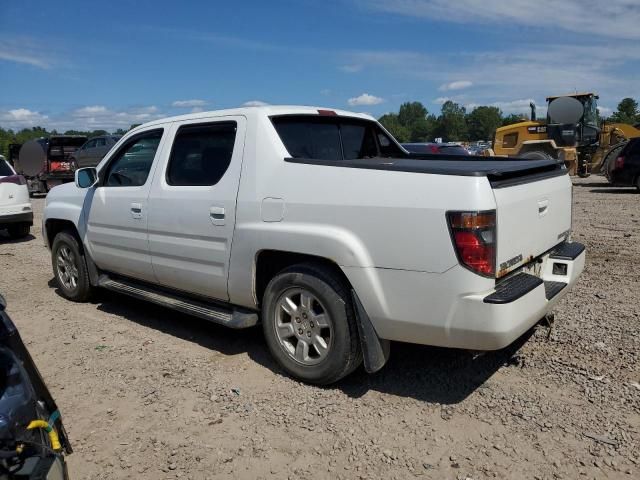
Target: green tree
{"x": 452, "y": 125}
{"x": 513, "y": 118}
{"x": 627, "y": 112}
{"x": 390, "y": 122}
{"x": 483, "y": 121}
{"x": 412, "y": 123}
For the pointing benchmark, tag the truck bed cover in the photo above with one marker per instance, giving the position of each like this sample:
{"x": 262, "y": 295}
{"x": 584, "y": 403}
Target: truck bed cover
{"x": 500, "y": 173}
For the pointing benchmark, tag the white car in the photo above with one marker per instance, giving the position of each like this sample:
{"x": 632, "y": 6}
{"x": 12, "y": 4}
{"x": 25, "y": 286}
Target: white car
{"x": 320, "y": 224}
{"x": 16, "y": 215}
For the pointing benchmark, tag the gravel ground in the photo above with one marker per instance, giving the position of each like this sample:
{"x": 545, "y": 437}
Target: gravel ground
{"x": 151, "y": 394}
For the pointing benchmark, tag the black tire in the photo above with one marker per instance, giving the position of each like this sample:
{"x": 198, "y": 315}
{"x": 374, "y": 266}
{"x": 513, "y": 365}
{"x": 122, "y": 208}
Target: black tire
{"x": 638, "y": 183}
{"x": 19, "y": 230}
{"x": 344, "y": 354}
{"x": 609, "y": 158}
{"x": 82, "y": 290}
{"x": 536, "y": 155}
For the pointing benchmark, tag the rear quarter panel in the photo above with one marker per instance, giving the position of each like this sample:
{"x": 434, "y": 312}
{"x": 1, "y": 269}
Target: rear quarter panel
{"x": 354, "y": 217}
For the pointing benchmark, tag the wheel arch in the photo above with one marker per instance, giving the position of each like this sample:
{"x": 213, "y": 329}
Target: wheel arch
{"x": 268, "y": 263}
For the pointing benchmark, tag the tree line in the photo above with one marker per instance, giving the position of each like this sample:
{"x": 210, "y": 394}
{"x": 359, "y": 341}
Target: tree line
{"x": 9, "y": 136}
{"x": 414, "y": 123}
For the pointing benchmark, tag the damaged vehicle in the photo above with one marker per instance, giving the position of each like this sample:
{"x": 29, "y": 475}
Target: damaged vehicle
{"x": 320, "y": 225}
{"x": 33, "y": 441}
{"x": 48, "y": 162}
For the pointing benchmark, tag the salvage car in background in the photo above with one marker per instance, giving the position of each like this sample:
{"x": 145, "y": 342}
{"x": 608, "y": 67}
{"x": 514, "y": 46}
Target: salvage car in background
{"x": 46, "y": 162}
{"x": 436, "y": 148}
{"x": 94, "y": 149}
{"x": 33, "y": 440}
{"x": 624, "y": 171}
{"x": 16, "y": 215}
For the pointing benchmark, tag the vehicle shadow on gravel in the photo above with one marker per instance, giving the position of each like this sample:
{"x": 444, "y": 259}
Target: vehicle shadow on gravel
{"x": 432, "y": 374}
{"x": 614, "y": 190}
{"x": 6, "y": 239}
{"x": 428, "y": 374}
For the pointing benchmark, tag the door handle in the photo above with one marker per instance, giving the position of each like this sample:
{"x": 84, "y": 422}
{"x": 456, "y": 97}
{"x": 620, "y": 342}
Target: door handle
{"x": 136, "y": 210}
{"x": 217, "y": 215}
{"x": 543, "y": 206}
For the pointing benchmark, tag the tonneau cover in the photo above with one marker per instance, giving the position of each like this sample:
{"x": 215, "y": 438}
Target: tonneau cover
{"x": 497, "y": 170}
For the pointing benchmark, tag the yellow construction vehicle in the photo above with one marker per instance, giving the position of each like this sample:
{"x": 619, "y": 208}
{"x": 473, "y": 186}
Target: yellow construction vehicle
{"x": 571, "y": 132}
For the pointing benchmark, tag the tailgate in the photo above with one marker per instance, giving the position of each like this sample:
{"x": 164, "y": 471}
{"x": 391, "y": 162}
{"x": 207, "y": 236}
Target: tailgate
{"x": 531, "y": 219}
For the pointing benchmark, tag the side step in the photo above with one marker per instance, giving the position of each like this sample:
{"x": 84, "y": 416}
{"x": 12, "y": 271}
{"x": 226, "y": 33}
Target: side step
{"x": 551, "y": 289}
{"x": 227, "y": 316}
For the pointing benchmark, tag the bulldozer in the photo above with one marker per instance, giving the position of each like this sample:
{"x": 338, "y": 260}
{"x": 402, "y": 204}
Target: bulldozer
{"x": 571, "y": 133}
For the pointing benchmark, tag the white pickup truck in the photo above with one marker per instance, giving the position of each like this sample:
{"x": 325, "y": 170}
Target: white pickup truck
{"x": 319, "y": 224}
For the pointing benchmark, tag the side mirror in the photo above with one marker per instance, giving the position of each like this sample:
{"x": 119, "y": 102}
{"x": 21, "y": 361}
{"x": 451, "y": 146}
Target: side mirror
{"x": 86, "y": 177}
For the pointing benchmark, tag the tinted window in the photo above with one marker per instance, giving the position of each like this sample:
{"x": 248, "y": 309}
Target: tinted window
{"x": 510, "y": 140}
{"x": 132, "y": 163}
{"x": 201, "y": 154}
{"x": 309, "y": 138}
{"x": 5, "y": 169}
{"x": 358, "y": 141}
{"x": 89, "y": 144}
{"x": 100, "y": 142}
{"x": 333, "y": 138}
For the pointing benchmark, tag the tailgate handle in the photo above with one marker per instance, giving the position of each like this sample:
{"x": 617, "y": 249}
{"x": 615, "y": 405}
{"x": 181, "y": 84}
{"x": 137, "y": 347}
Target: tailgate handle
{"x": 543, "y": 206}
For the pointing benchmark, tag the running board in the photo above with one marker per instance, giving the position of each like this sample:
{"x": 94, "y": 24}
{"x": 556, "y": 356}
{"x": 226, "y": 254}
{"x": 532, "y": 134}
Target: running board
{"x": 229, "y": 317}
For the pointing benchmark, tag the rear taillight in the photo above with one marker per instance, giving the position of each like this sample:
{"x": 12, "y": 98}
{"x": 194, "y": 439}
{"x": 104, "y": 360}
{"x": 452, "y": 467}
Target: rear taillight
{"x": 474, "y": 239}
{"x": 619, "y": 162}
{"x": 434, "y": 149}
{"x": 17, "y": 179}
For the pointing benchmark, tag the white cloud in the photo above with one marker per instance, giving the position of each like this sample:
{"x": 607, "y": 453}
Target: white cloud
{"x": 189, "y": 103}
{"x": 620, "y": 18}
{"x": 22, "y": 117}
{"x": 23, "y": 50}
{"x": 441, "y": 100}
{"x": 459, "y": 85}
{"x": 605, "y": 111}
{"x": 254, "y": 103}
{"x": 365, "y": 99}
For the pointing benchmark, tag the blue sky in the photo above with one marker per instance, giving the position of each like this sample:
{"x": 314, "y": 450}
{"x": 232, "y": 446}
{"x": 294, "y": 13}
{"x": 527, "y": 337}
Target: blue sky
{"x": 75, "y": 64}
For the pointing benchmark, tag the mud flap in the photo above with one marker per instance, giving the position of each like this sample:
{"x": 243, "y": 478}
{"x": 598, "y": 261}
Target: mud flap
{"x": 375, "y": 350}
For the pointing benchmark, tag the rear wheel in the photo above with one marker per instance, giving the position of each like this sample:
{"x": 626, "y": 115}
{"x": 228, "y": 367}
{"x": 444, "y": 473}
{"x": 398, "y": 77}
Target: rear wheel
{"x": 19, "y": 230}
{"x": 610, "y": 158}
{"x": 70, "y": 268}
{"x": 309, "y": 324}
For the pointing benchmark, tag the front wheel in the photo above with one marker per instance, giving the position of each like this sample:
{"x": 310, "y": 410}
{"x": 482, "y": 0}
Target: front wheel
{"x": 309, "y": 324}
{"x": 70, "y": 268}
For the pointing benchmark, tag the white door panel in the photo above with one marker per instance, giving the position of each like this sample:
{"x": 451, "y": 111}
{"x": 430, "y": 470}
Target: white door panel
{"x": 117, "y": 222}
{"x": 191, "y": 227}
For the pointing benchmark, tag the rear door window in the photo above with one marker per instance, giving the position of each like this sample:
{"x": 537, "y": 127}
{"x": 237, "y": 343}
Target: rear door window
{"x": 633, "y": 148}
{"x": 201, "y": 154}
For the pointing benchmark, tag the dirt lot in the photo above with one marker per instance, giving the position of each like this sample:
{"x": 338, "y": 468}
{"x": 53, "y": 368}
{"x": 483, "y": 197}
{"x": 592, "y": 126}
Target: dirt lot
{"x": 148, "y": 393}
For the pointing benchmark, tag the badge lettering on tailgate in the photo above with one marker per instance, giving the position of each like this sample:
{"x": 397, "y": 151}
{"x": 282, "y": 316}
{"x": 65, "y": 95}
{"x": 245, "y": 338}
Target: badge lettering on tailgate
{"x": 511, "y": 262}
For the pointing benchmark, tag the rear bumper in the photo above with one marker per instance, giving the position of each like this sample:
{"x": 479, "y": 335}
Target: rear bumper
{"x": 16, "y": 214}
{"x": 16, "y": 218}
{"x": 459, "y": 309}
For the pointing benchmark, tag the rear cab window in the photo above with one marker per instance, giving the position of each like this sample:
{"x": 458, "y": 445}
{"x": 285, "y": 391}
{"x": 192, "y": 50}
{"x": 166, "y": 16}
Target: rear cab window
{"x": 333, "y": 138}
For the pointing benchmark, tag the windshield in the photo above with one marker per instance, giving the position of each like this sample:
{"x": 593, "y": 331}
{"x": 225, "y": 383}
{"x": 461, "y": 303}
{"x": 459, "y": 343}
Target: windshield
{"x": 590, "y": 112}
